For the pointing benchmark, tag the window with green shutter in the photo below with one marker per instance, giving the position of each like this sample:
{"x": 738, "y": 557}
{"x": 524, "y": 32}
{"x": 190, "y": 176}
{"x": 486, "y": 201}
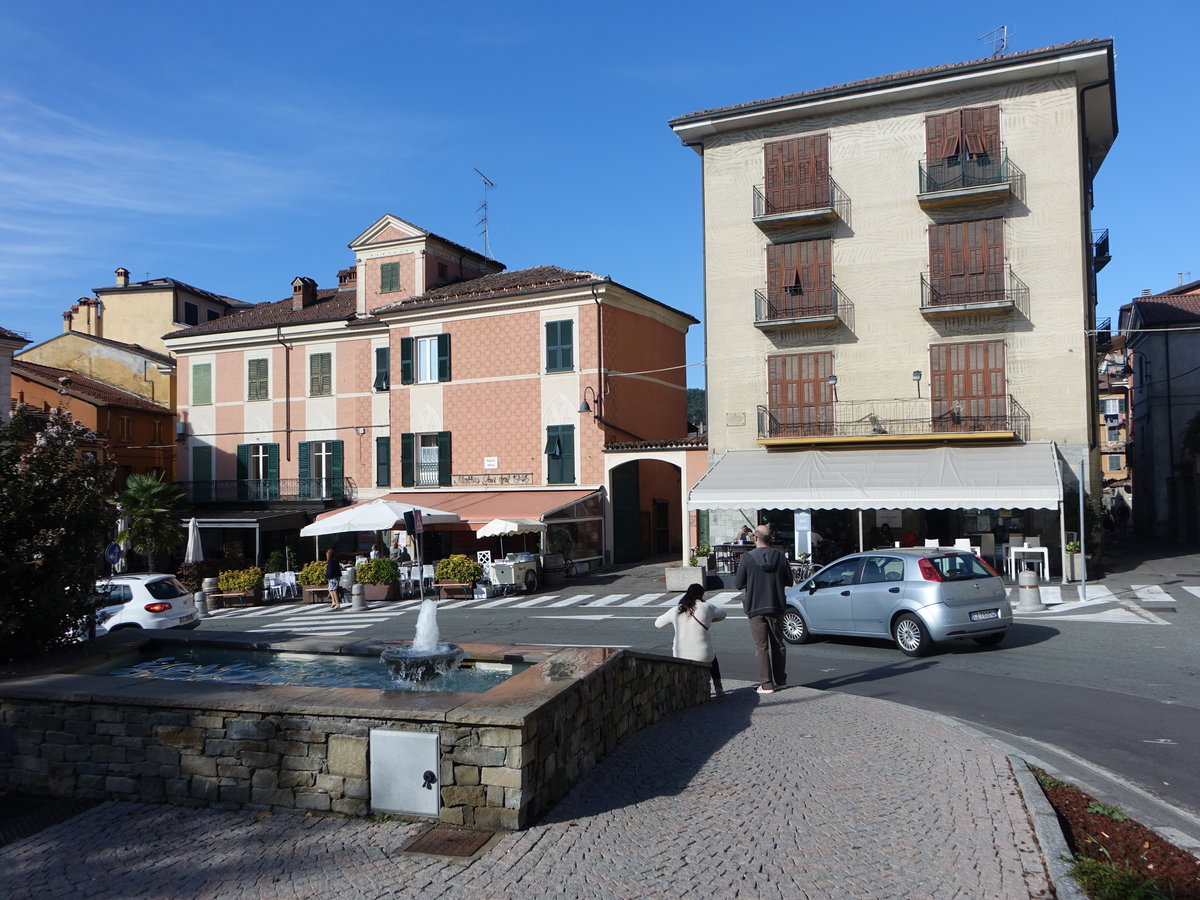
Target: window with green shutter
{"x": 382, "y": 369}
{"x": 389, "y": 277}
{"x": 203, "y": 487}
{"x": 258, "y": 471}
{"x": 383, "y": 462}
{"x": 202, "y": 384}
{"x": 320, "y": 375}
{"x": 560, "y": 454}
{"x": 257, "y": 383}
{"x": 560, "y": 346}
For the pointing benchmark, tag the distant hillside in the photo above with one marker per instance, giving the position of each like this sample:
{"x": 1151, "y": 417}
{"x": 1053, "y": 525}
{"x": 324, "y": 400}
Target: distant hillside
{"x": 697, "y": 410}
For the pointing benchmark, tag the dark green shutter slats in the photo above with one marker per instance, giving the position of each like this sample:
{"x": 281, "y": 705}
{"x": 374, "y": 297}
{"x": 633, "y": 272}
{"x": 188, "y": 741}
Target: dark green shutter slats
{"x": 443, "y": 445}
{"x": 560, "y": 346}
{"x": 383, "y": 462}
{"x": 560, "y": 450}
{"x": 243, "y": 470}
{"x": 406, "y": 360}
{"x": 443, "y": 357}
{"x": 273, "y": 471}
{"x": 408, "y": 460}
{"x": 382, "y": 369}
{"x": 303, "y": 470}
{"x": 202, "y": 384}
{"x": 320, "y": 375}
{"x": 337, "y": 482}
{"x": 389, "y": 277}
{"x": 257, "y": 383}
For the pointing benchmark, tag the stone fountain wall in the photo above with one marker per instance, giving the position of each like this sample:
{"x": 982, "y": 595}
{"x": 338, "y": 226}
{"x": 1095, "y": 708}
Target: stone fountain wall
{"x": 507, "y": 755}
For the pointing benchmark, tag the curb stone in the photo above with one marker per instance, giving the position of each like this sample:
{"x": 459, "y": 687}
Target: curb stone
{"x": 1055, "y": 852}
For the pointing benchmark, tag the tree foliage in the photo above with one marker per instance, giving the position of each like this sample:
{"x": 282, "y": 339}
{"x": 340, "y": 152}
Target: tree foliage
{"x": 54, "y": 523}
{"x": 697, "y": 410}
{"x": 152, "y": 509}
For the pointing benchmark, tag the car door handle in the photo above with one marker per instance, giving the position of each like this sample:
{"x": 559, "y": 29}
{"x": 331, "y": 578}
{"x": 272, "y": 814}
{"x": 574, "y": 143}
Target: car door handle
{"x": 845, "y": 593}
{"x": 893, "y": 590}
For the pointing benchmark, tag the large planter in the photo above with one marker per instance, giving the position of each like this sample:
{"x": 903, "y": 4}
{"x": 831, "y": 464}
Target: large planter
{"x": 456, "y": 590}
{"x": 373, "y": 593}
{"x": 1075, "y": 567}
{"x": 680, "y": 578}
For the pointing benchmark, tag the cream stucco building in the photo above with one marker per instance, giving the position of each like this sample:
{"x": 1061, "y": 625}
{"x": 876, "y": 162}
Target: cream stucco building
{"x": 904, "y": 263}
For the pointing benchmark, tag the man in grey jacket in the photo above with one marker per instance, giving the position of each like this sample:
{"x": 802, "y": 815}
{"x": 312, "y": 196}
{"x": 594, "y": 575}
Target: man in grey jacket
{"x": 763, "y": 574}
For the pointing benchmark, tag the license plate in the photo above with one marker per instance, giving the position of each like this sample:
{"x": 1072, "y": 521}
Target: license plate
{"x": 982, "y": 614}
{"x": 186, "y": 619}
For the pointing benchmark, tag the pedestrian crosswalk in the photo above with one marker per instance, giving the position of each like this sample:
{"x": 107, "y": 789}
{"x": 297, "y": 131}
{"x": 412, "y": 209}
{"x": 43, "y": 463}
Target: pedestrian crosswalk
{"x": 1132, "y": 605}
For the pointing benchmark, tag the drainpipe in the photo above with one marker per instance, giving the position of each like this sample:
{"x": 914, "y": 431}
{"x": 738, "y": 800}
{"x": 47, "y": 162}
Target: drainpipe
{"x": 287, "y": 392}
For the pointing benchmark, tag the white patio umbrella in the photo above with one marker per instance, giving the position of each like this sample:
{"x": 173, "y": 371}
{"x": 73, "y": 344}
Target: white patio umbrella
{"x": 375, "y": 515}
{"x": 502, "y": 528}
{"x": 195, "y": 550}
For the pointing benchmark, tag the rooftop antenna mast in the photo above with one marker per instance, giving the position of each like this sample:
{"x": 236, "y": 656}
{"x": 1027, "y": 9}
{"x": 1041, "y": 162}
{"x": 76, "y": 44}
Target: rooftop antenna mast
{"x": 997, "y": 37}
{"x": 483, "y": 207}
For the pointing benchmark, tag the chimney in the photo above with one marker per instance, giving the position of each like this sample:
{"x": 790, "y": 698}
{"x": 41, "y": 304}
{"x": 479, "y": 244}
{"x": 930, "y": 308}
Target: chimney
{"x": 122, "y": 277}
{"x": 1145, "y": 292}
{"x": 348, "y": 279}
{"x": 68, "y": 317}
{"x": 304, "y": 293}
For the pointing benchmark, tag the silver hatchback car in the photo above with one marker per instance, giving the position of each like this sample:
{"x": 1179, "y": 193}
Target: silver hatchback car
{"x": 915, "y": 596}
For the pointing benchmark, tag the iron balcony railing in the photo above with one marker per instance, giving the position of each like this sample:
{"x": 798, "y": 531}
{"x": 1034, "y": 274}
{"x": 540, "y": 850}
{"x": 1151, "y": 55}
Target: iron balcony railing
{"x": 1101, "y": 255}
{"x": 795, "y": 306}
{"x": 836, "y": 201}
{"x": 965, "y": 172}
{"x": 994, "y": 289}
{"x": 268, "y": 489}
{"x": 877, "y": 418}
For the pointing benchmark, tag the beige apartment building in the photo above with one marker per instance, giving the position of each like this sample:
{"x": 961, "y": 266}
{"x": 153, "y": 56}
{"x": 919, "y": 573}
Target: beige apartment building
{"x": 900, "y": 300}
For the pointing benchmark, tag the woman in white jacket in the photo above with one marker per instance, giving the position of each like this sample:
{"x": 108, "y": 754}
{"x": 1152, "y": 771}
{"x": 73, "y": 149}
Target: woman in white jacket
{"x": 692, "y": 619}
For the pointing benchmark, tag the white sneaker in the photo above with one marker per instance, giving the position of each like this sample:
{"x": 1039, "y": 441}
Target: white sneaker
{"x": 763, "y": 690}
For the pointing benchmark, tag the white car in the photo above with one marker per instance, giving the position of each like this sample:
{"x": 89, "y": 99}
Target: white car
{"x": 143, "y": 601}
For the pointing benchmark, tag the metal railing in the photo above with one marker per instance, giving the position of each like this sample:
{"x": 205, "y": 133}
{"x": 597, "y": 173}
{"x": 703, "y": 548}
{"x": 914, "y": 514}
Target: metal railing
{"x": 1002, "y": 289}
{"x": 964, "y": 172}
{"x": 794, "y": 306}
{"x": 268, "y": 489}
{"x": 837, "y": 202}
{"x": 1101, "y": 254}
{"x": 876, "y": 418}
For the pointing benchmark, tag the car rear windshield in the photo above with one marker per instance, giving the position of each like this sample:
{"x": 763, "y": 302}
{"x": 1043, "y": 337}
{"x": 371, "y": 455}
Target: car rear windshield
{"x": 959, "y": 566}
{"x": 166, "y": 589}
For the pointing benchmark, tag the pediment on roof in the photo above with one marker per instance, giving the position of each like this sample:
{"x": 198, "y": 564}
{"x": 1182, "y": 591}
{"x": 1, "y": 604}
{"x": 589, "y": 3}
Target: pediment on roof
{"x": 387, "y": 230}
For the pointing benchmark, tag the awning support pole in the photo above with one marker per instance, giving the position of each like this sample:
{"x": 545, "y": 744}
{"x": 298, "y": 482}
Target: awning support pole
{"x": 860, "y": 532}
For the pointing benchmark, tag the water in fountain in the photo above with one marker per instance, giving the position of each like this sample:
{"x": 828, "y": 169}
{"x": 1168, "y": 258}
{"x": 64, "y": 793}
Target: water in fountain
{"x": 426, "y": 657}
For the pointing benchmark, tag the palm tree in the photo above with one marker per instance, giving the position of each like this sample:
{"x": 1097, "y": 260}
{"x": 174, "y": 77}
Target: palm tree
{"x": 152, "y": 509}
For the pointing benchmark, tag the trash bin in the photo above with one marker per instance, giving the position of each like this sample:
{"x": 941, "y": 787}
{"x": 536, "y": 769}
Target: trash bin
{"x": 554, "y": 571}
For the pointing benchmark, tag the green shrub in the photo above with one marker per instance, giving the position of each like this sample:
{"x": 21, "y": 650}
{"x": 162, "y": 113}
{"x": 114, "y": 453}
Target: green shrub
{"x": 192, "y": 575}
{"x": 377, "y": 571}
{"x": 275, "y": 561}
{"x": 460, "y": 568}
{"x": 313, "y": 573}
{"x": 241, "y": 579}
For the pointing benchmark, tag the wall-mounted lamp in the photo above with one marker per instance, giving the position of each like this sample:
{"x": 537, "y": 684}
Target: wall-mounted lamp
{"x": 585, "y": 407}
{"x": 832, "y": 380}
{"x": 361, "y": 430}
{"x": 917, "y": 379}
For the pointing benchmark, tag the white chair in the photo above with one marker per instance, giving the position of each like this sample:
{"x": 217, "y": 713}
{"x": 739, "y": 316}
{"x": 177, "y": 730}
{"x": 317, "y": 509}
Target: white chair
{"x": 962, "y": 543}
{"x": 932, "y": 542}
{"x": 1033, "y": 542}
{"x": 484, "y": 558}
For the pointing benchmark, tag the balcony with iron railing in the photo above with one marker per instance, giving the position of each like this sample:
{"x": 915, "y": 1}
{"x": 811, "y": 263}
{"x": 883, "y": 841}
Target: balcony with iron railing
{"x": 795, "y": 307}
{"x": 800, "y": 205}
{"x": 989, "y": 291}
{"x": 969, "y": 179}
{"x": 895, "y": 420}
{"x": 1101, "y": 254}
{"x": 266, "y": 490}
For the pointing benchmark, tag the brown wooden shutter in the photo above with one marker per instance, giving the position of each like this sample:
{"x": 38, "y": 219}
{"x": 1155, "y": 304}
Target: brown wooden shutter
{"x": 796, "y": 173}
{"x": 981, "y": 131}
{"x": 942, "y": 133}
{"x": 967, "y": 387}
{"x": 800, "y": 277}
{"x": 966, "y": 261}
{"x": 800, "y": 397}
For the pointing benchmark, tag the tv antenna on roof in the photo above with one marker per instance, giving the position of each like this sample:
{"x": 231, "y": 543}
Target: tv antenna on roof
{"x": 483, "y": 220}
{"x": 997, "y": 37}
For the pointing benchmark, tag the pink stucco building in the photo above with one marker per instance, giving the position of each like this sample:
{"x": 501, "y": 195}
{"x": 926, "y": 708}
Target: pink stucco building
{"x": 433, "y": 375}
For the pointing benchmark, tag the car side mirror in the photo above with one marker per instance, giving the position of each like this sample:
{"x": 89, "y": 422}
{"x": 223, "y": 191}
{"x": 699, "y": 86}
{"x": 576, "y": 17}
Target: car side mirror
{"x": 812, "y": 587}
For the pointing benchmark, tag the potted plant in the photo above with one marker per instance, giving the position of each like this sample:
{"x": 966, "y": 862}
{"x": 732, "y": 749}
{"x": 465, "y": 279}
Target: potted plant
{"x": 312, "y": 580}
{"x": 456, "y": 575}
{"x": 380, "y": 579}
{"x": 1074, "y": 569}
{"x": 247, "y": 582}
{"x": 679, "y": 578}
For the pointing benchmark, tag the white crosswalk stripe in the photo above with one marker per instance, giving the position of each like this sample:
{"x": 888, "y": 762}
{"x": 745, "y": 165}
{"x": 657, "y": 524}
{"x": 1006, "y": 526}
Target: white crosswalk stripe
{"x": 607, "y": 601}
{"x": 570, "y": 601}
{"x": 645, "y": 600}
{"x": 1152, "y": 593}
{"x": 1194, "y": 591}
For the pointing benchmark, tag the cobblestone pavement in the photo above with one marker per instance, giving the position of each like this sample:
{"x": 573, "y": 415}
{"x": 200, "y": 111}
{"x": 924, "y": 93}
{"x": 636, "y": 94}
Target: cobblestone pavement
{"x": 800, "y": 794}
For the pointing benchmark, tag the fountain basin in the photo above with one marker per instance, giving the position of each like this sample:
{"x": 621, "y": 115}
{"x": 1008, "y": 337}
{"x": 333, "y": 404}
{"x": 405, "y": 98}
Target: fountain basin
{"x": 414, "y": 666}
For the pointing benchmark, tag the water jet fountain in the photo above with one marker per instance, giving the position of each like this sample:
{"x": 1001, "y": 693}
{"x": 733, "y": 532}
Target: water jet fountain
{"x": 425, "y": 657}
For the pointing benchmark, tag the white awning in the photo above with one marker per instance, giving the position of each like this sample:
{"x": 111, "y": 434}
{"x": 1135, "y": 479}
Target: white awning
{"x": 1019, "y": 476}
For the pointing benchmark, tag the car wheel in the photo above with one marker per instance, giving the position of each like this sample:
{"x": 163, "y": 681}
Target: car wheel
{"x": 795, "y": 629}
{"x": 910, "y": 635}
{"x": 990, "y": 640}
{"x": 530, "y": 582}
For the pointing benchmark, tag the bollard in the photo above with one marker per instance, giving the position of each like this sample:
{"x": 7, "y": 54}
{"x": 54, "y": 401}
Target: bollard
{"x": 1029, "y": 598}
{"x": 357, "y": 599}
{"x": 208, "y": 586}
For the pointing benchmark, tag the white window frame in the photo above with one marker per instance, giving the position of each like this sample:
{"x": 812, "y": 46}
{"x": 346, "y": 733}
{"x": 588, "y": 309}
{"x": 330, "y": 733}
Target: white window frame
{"x": 425, "y": 362}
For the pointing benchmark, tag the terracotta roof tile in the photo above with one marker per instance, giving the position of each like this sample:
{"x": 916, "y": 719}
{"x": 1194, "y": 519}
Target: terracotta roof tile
{"x": 83, "y": 388}
{"x": 12, "y": 336}
{"x": 1164, "y": 309}
{"x": 517, "y": 281}
{"x": 331, "y": 305}
{"x": 857, "y": 86}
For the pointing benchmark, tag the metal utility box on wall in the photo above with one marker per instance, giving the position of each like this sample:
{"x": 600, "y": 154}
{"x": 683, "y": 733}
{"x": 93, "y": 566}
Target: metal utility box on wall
{"x": 405, "y": 769}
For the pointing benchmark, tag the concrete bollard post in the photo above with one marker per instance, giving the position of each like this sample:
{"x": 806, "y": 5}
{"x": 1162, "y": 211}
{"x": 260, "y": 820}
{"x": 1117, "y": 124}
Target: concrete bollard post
{"x": 357, "y": 599}
{"x": 208, "y": 586}
{"x": 1029, "y": 597}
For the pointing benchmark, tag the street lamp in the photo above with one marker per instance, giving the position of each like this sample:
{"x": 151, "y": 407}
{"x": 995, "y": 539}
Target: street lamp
{"x": 832, "y": 380}
{"x": 585, "y": 407}
{"x": 917, "y": 379}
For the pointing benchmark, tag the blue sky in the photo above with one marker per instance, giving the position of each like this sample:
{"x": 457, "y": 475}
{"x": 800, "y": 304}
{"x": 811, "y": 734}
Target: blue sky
{"x": 235, "y": 146}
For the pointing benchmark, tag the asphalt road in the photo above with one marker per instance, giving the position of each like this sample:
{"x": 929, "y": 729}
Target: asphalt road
{"x": 1084, "y": 695}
